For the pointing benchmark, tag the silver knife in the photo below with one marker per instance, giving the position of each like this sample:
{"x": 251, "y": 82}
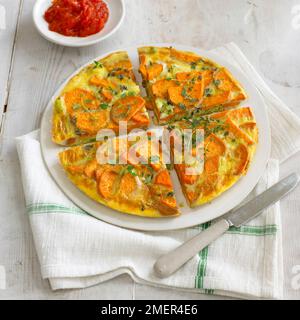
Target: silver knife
{"x": 171, "y": 262}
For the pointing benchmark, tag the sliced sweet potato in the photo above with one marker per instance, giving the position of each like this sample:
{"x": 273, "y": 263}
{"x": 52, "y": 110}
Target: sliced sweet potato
{"x": 214, "y": 100}
{"x": 248, "y": 125}
{"x": 189, "y": 178}
{"x": 155, "y": 166}
{"x": 163, "y": 178}
{"x": 187, "y": 93}
{"x": 77, "y": 98}
{"x": 196, "y": 90}
{"x": 251, "y": 129}
{"x": 125, "y": 108}
{"x": 192, "y": 196}
{"x": 214, "y": 146}
{"x": 122, "y": 64}
{"x": 207, "y": 76}
{"x": 106, "y": 183}
{"x": 232, "y": 127}
{"x": 160, "y": 88}
{"x": 186, "y": 178}
{"x": 141, "y": 118}
{"x": 211, "y": 165}
{"x": 98, "y": 173}
{"x": 169, "y": 201}
{"x": 220, "y": 115}
{"x": 184, "y": 56}
{"x": 211, "y": 168}
{"x": 242, "y": 156}
{"x": 224, "y": 79}
{"x": 209, "y": 185}
{"x": 76, "y": 169}
{"x": 149, "y": 104}
{"x": 90, "y": 169}
{"x": 226, "y": 82}
{"x": 96, "y": 81}
{"x": 154, "y": 70}
{"x": 175, "y": 95}
{"x": 92, "y": 122}
{"x": 176, "y": 114}
{"x": 107, "y": 95}
{"x": 167, "y": 206}
{"x": 143, "y": 68}
{"x": 187, "y": 76}
{"x": 244, "y": 112}
{"x": 127, "y": 185}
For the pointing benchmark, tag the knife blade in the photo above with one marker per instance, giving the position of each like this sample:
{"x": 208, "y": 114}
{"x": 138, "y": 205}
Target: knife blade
{"x": 171, "y": 262}
{"x": 254, "y": 207}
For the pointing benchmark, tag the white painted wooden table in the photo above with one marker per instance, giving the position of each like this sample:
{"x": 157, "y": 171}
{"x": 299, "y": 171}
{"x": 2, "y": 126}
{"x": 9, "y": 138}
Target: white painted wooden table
{"x": 268, "y": 31}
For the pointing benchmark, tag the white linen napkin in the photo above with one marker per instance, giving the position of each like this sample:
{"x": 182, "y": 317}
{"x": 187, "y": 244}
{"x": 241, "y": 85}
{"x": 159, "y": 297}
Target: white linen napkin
{"x": 76, "y": 250}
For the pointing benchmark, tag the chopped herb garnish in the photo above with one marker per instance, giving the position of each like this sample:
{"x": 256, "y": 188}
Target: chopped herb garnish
{"x": 208, "y": 92}
{"x": 171, "y": 127}
{"x": 88, "y": 101}
{"x": 217, "y": 82}
{"x": 193, "y": 65}
{"x": 169, "y": 166}
{"x": 183, "y": 92}
{"x": 131, "y": 170}
{"x": 97, "y": 64}
{"x": 104, "y": 106}
{"x": 182, "y": 106}
{"x": 88, "y": 147}
{"x": 170, "y": 194}
{"x": 76, "y": 106}
{"x": 123, "y": 88}
{"x": 148, "y": 179}
{"x": 167, "y": 108}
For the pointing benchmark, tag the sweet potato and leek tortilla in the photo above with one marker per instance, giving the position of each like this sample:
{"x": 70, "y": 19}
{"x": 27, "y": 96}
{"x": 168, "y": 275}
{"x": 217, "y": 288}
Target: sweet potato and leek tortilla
{"x": 184, "y": 91}
{"x": 178, "y": 82}
{"x": 98, "y": 97}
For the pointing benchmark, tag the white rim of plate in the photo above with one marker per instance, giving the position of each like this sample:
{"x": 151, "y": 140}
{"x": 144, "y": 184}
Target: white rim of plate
{"x": 189, "y": 217}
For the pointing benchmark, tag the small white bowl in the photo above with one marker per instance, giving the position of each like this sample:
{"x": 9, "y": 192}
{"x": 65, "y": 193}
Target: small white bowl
{"x": 116, "y": 17}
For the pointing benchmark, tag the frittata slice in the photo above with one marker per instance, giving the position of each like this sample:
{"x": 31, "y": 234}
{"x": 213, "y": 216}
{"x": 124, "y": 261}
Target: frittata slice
{"x": 136, "y": 181}
{"x": 220, "y": 159}
{"x": 99, "y": 97}
{"x": 179, "y": 82}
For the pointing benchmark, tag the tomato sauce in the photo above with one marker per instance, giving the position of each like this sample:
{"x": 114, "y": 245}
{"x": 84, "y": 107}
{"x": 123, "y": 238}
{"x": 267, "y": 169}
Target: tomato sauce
{"x": 77, "y": 18}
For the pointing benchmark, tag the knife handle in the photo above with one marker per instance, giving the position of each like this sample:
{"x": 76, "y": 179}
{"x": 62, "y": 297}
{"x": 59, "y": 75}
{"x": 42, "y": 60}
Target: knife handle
{"x": 172, "y": 261}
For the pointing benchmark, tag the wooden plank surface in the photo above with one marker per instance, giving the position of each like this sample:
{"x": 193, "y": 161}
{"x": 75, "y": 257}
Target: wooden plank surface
{"x": 261, "y": 28}
{"x": 9, "y": 16}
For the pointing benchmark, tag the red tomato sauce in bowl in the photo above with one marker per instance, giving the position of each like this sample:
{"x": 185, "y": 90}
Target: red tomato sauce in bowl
{"x": 77, "y": 18}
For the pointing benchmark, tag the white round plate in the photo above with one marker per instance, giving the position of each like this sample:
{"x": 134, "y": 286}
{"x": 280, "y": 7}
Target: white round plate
{"x": 116, "y": 17}
{"x": 189, "y": 217}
